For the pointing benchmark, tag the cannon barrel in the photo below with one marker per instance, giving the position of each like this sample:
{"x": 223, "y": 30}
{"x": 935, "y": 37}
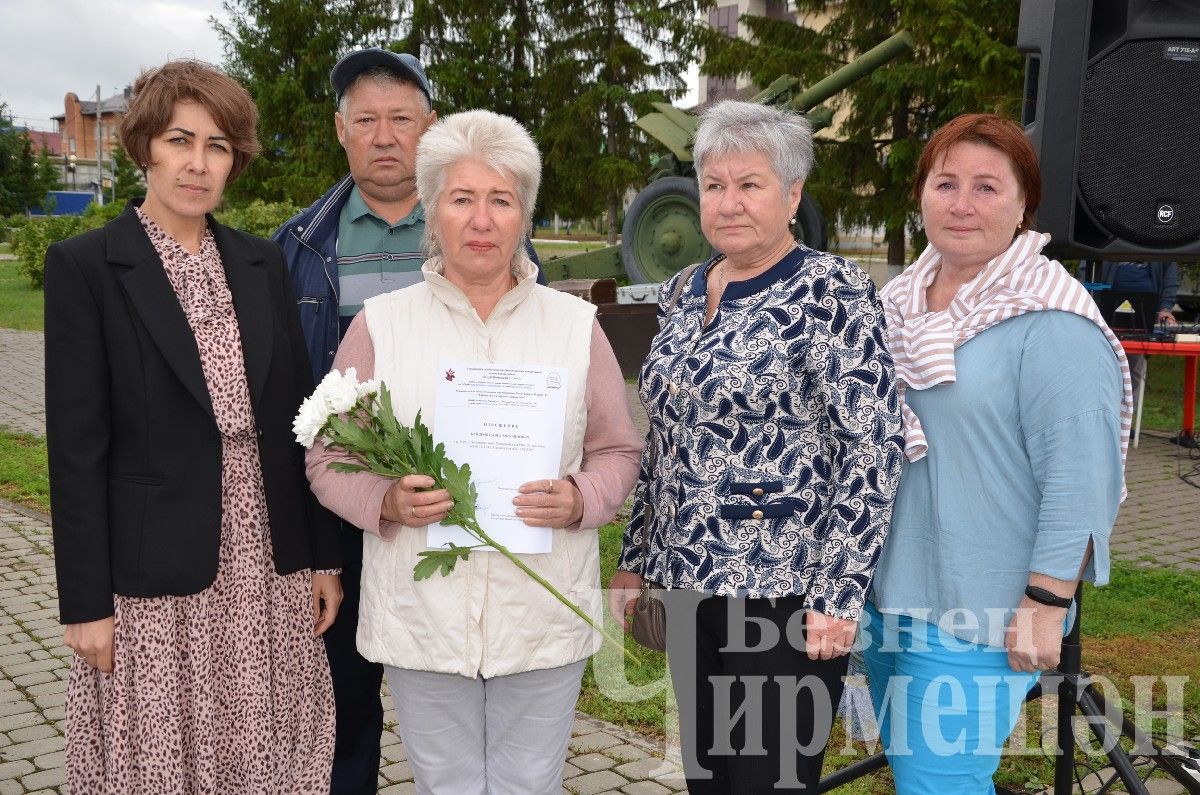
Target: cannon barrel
{"x": 860, "y": 67}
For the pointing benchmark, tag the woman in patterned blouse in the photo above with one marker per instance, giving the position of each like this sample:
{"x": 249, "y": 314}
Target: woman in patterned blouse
{"x": 196, "y": 572}
{"x": 771, "y": 465}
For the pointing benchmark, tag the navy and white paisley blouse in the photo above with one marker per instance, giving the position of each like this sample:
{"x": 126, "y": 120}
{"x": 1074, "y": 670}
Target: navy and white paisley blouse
{"x": 777, "y": 431}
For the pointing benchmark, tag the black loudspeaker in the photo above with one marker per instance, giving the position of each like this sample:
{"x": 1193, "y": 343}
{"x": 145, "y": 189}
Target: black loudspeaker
{"x": 1112, "y": 105}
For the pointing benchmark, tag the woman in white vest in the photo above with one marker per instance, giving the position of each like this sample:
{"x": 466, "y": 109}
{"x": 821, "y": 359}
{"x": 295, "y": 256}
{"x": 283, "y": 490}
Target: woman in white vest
{"x": 484, "y": 665}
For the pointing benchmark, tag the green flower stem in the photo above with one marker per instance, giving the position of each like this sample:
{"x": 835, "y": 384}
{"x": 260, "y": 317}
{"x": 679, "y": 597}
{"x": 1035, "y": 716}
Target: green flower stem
{"x": 477, "y": 531}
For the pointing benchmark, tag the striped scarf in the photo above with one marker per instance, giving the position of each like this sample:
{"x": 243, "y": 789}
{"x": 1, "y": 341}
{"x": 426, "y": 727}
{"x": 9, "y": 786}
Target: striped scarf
{"x": 1018, "y": 281}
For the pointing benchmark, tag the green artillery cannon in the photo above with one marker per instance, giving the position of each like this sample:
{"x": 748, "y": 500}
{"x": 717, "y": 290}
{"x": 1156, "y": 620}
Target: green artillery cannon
{"x": 661, "y": 234}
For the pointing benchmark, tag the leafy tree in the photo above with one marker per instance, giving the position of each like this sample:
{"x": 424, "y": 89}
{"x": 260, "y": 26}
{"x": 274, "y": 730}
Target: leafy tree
{"x": 608, "y": 60}
{"x": 964, "y": 60}
{"x": 128, "y": 177}
{"x": 283, "y": 51}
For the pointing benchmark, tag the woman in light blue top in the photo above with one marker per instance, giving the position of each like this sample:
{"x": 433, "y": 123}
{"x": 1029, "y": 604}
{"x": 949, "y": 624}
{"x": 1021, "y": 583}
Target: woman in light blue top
{"x": 1015, "y": 400}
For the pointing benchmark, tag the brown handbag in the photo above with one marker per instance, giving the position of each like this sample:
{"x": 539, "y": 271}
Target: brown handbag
{"x": 649, "y": 611}
{"x": 650, "y": 618}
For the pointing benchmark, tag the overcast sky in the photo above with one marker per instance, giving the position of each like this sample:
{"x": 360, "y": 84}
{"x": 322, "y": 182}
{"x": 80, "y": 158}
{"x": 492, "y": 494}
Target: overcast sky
{"x": 51, "y": 47}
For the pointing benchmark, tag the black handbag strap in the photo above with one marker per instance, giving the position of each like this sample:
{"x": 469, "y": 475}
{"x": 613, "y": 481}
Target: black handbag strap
{"x": 685, "y": 276}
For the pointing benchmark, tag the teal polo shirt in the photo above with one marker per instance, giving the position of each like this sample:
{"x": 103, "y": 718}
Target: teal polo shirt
{"x": 373, "y": 256}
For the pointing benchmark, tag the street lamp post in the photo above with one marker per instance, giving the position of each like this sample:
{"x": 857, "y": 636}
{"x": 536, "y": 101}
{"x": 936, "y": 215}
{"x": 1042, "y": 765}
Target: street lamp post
{"x": 69, "y": 160}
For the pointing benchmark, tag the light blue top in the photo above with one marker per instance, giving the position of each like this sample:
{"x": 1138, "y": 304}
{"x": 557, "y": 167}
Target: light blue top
{"x": 1024, "y": 466}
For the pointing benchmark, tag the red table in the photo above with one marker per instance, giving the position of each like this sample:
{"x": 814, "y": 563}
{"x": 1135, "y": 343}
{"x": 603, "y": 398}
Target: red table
{"x": 1190, "y": 351}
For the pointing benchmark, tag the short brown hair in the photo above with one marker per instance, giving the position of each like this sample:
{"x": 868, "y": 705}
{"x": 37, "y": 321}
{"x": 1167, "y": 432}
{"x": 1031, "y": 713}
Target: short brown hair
{"x": 158, "y": 90}
{"x": 994, "y": 131}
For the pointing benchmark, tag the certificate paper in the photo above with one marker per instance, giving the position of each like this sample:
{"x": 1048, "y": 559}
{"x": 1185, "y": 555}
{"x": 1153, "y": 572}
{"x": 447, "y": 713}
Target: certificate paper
{"x": 507, "y": 422}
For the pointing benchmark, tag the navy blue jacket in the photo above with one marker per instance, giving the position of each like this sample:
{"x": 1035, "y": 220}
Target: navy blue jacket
{"x": 309, "y": 243}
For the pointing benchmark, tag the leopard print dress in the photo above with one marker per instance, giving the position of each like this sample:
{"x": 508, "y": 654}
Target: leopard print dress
{"x": 227, "y": 690}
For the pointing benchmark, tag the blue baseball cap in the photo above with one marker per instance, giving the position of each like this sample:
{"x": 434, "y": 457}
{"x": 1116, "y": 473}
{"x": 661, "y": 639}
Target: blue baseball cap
{"x": 354, "y": 64}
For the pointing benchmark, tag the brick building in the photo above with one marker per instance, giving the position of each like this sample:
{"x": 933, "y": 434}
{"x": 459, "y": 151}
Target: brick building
{"x": 77, "y": 124}
{"x": 76, "y": 130}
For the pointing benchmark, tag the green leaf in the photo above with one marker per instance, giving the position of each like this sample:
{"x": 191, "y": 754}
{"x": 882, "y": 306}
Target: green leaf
{"x": 443, "y": 560}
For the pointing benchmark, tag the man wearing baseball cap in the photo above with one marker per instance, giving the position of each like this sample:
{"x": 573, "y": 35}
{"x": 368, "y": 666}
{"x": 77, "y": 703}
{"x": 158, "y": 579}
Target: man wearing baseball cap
{"x": 361, "y": 239}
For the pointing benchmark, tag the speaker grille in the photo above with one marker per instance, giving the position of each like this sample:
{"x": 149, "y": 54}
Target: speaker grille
{"x": 1139, "y": 159}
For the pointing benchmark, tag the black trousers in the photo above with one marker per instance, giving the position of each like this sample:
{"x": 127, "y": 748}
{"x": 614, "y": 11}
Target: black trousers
{"x": 356, "y": 684}
{"x": 755, "y": 711}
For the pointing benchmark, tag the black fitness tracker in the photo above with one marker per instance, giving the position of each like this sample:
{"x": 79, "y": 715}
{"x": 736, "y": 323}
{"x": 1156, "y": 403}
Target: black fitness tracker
{"x": 1042, "y": 596}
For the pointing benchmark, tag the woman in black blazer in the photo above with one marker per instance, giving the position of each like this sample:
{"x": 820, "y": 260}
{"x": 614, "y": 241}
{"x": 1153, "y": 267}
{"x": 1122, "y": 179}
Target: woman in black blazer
{"x": 195, "y": 569}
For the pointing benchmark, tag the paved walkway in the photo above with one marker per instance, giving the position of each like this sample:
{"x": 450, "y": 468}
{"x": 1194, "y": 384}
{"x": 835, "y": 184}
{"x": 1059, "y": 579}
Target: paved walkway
{"x": 22, "y": 388}
{"x": 1159, "y": 525}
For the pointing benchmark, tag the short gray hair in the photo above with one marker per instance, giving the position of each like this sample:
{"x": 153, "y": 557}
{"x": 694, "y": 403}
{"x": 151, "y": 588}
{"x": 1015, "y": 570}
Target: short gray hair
{"x": 730, "y": 127}
{"x": 497, "y": 141}
{"x": 384, "y": 77}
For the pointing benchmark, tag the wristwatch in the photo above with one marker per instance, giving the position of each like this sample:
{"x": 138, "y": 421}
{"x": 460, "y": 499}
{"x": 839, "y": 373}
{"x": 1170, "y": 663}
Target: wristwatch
{"x": 1042, "y": 596}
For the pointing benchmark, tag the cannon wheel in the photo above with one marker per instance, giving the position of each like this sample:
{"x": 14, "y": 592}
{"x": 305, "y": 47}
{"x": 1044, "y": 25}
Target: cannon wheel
{"x": 661, "y": 234}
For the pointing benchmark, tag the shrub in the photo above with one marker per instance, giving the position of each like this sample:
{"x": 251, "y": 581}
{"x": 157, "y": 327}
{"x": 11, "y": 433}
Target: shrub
{"x": 33, "y": 236}
{"x": 258, "y": 217}
{"x": 31, "y": 241}
{"x": 100, "y": 215}
{"x": 10, "y": 224}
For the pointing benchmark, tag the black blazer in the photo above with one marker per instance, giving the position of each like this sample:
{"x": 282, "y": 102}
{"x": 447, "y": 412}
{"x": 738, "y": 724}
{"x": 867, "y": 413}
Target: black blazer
{"x": 135, "y": 454}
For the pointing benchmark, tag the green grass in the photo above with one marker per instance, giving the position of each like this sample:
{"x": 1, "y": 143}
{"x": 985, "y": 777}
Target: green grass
{"x": 546, "y": 251}
{"x": 1164, "y": 394}
{"x": 623, "y": 707}
{"x": 23, "y": 474}
{"x": 20, "y": 304}
{"x": 1141, "y": 602}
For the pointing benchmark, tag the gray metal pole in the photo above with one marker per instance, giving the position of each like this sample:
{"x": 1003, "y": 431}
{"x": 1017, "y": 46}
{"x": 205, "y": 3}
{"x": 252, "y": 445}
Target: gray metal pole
{"x": 99, "y": 156}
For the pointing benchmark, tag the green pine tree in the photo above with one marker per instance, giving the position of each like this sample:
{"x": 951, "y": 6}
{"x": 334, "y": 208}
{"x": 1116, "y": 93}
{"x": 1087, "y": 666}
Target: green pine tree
{"x": 10, "y": 153}
{"x": 28, "y": 189}
{"x": 129, "y": 180}
{"x": 49, "y": 178}
{"x": 607, "y": 61}
{"x": 283, "y": 51}
{"x": 477, "y": 53}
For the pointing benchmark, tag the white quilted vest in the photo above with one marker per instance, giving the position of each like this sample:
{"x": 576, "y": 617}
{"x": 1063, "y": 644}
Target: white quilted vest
{"x": 487, "y": 618}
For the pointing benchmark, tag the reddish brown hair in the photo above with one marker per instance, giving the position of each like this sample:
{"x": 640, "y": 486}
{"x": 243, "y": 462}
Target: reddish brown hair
{"x": 994, "y": 131}
{"x": 158, "y": 90}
